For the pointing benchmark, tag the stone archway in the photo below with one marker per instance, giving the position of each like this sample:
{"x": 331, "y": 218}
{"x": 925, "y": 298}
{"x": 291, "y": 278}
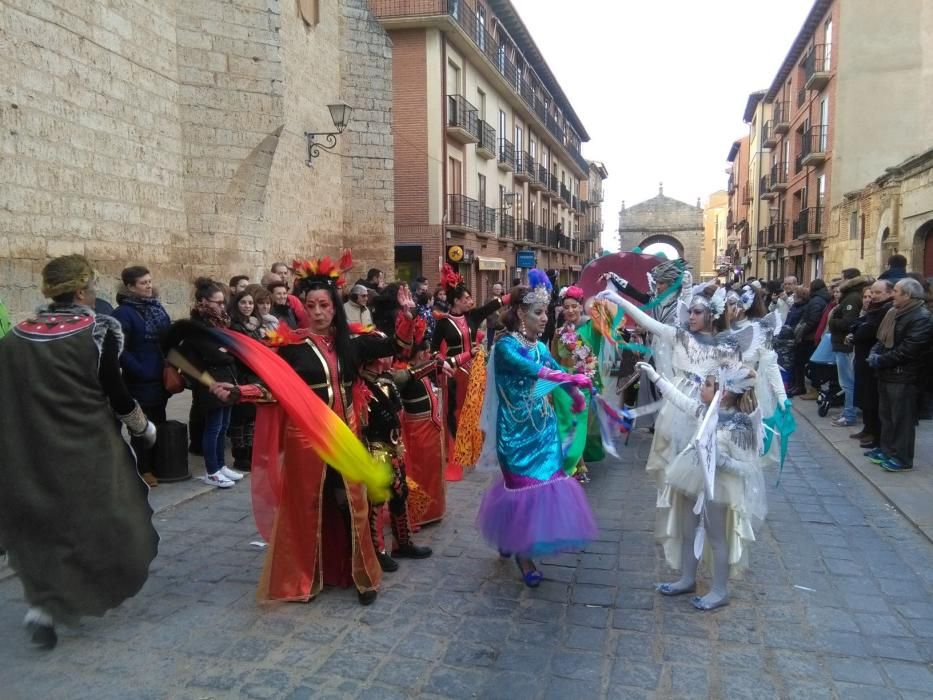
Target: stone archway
{"x": 923, "y": 249}
{"x": 672, "y": 241}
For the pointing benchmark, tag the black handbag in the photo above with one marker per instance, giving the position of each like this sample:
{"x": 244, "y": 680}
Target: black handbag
{"x": 170, "y": 456}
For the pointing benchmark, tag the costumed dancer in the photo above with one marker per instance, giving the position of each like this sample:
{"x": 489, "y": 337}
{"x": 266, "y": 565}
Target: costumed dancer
{"x": 422, "y": 418}
{"x": 668, "y": 283}
{"x": 380, "y": 416}
{"x": 683, "y": 348}
{"x": 754, "y": 328}
{"x": 321, "y": 533}
{"x": 74, "y": 515}
{"x": 715, "y": 486}
{"x": 576, "y": 347}
{"x": 534, "y": 509}
{"x": 455, "y": 339}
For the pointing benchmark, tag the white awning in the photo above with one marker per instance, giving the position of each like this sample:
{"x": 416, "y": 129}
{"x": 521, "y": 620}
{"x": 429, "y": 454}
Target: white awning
{"x": 494, "y": 264}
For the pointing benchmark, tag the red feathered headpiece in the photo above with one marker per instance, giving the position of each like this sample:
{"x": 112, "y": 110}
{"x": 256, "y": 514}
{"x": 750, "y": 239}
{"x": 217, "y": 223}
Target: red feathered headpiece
{"x": 572, "y": 292}
{"x": 324, "y": 269}
{"x": 282, "y": 335}
{"x": 449, "y": 278}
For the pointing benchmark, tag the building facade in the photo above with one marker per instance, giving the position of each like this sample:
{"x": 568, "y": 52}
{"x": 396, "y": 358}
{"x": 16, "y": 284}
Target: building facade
{"x": 663, "y": 219}
{"x": 846, "y": 102}
{"x": 487, "y": 148}
{"x": 591, "y": 199}
{"x": 737, "y": 217}
{"x": 892, "y": 214}
{"x": 714, "y": 260}
{"x": 172, "y": 136}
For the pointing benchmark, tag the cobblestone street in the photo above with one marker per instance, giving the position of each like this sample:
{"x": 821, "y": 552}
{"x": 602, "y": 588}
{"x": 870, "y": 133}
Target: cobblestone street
{"x": 837, "y": 604}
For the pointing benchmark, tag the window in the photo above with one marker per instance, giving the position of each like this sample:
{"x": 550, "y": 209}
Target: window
{"x": 503, "y": 124}
{"x": 533, "y": 210}
{"x": 518, "y": 140}
{"x": 453, "y": 79}
{"x": 502, "y": 196}
{"x": 481, "y": 103}
{"x": 824, "y": 123}
{"x": 454, "y": 176}
{"x": 853, "y": 225}
{"x": 820, "y": 190}
{"x": 481, "y": 190}
{"x": 500, "y": 56}
{"x": 519, "y": 206}
{"x": 532, "y": 148}
{"x": 827, "y": 43}
{"x": 481, "y": 27}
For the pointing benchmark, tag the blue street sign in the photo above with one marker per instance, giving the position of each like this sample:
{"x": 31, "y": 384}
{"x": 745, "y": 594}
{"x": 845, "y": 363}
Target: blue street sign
{"x": 525, "y": 259}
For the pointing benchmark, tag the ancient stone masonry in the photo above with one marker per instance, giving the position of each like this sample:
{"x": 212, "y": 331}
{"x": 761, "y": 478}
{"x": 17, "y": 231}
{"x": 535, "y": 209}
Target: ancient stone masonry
{"x": 172, "y": 135}
{"x": 664, "y": 220}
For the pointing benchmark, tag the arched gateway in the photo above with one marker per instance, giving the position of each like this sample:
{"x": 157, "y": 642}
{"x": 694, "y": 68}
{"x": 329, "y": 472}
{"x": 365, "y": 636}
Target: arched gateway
{"x": 663, "y": 220}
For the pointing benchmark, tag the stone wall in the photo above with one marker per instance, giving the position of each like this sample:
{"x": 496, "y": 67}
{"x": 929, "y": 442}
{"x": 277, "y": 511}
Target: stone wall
{"x": 172, "y": 135}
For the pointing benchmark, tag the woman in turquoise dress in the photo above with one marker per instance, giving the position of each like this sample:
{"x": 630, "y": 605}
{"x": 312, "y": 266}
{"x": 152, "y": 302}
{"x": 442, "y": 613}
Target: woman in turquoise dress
{"x": 534, "y": 509}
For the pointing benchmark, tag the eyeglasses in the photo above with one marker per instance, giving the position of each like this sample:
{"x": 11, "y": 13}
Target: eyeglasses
{"x": 215, "y": 301}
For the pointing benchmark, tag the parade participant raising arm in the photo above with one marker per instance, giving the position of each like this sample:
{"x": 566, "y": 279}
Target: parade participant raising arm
{"x": 535, "y": 508}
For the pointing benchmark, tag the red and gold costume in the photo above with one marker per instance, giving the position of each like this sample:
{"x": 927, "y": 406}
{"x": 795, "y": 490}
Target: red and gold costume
{"x": 454, "y": 337}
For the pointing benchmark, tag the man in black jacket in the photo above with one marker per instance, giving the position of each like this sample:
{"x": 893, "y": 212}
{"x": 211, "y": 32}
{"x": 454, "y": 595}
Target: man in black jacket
{"x": 900, "y": 357}
{"x": 840, "y": 323}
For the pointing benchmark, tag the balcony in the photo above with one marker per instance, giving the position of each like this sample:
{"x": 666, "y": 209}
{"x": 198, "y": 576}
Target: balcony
{"x": 462, "y": 120}
{"x": 506, "y": 155}
{"x": 808, "y": 225}
{"x": 730, "y": 220}
{"x": 769, "y": 139}
{"x": 522, "y": 172}
{"x": 460, "y": 22}
{"x": 487, "y": 220}
{"x": 730, "y": 188}
{"x": 781, "y": 116}
{"x": 463, "y": 213}
{"x": 541, "y": 237}
{"x": 801, "y": 97}
{"x": 816, "y": 66}
{"x": 747, "y": 193}
{"x": 762, "y": 238}
{"x": 565, "y": 195}
{"x": 776, "y": 233}
{"x": 764, "y": 188}
{"x": 527, "y": 232}
{"x": 595, "y": 197}
{"x": 539, "y": 179}
{"x": 814, "y": 145}
{"x": 575, "y": 204}
{"x": 506, "y": 225}
{"x": 779, "y": 177}
{"x": 554, "y": 185}
{"x": 486, "y": 147}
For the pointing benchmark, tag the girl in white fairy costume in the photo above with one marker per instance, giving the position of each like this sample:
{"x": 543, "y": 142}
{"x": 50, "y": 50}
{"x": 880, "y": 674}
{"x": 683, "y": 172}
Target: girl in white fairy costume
{"x": 714, "y": 488}
{"x": 683, "y": 348}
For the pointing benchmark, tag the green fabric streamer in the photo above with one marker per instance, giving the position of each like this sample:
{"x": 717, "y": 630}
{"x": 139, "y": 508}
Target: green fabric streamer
{"x": 782, "y": 423}
{"x": 4, "y": 320}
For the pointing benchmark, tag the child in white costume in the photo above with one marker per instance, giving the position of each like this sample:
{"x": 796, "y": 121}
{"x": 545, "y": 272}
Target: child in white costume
{"x": 728, "y": 513}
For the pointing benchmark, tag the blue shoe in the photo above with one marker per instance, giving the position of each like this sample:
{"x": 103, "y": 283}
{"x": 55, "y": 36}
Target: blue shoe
{"x": 876, "y": 455}
{"x": 893, "y": 464}
{"x": 531, "y": 577}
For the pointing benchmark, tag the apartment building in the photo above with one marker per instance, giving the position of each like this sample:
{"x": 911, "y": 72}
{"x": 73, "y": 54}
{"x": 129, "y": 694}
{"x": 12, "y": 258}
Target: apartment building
{"x": 847, "y": 101}
{"x": 591, "y": 199}
{"x": 714, "y": 262}
{"x": 739, "y": 193}
{"x": 487, "y": 146}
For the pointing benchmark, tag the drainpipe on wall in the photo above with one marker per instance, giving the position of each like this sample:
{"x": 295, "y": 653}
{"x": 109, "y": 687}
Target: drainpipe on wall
{"x": 444, "y": 151}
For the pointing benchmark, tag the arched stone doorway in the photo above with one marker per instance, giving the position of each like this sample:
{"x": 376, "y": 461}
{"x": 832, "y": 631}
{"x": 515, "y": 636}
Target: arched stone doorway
{"x": 659, "y": 240}
{"x": 923, "y": 249}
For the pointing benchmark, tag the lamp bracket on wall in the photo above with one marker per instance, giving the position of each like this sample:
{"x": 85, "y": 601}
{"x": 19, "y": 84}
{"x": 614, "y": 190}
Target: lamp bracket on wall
{"x": 340, "y": 114}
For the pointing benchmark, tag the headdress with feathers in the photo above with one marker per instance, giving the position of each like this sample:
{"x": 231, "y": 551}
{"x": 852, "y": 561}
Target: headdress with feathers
{"x": 451, "y": 280}
{"x": 323, "y": 270}
{"x": 572, "y": 292}
{"x": 540, "y": 288}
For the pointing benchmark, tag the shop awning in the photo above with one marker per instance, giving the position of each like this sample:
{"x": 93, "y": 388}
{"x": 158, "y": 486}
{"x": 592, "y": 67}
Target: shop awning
{"x": 576, "y": 268}
{"x": 495, "y": 264}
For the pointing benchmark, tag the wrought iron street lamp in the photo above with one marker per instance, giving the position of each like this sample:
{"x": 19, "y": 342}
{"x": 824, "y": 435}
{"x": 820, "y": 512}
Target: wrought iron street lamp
{"x": 340, "y": 114}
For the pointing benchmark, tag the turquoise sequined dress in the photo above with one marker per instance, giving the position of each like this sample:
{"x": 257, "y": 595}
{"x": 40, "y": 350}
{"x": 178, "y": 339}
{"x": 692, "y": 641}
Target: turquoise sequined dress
{"x": 534, "y": 508}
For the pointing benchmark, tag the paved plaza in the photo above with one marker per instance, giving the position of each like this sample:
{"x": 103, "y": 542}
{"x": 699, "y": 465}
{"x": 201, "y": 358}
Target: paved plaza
{"x": 837, "y": 604}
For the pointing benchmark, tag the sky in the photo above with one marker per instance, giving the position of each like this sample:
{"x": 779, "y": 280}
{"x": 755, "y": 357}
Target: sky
{"x": 661, "y": 85}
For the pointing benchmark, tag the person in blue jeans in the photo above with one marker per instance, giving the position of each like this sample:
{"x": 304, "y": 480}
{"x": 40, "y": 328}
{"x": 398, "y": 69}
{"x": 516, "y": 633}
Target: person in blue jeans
{"x": 841, "y": 318}
{"x": 210, "y": 310}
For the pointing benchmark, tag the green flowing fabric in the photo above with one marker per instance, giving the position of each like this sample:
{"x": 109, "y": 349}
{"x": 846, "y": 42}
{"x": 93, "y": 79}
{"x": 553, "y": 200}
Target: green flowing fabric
{"x": 4, "y": 320}
{"x": 587, "y": 443}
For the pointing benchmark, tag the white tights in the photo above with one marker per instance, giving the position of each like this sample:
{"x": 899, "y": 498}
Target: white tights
{"x": 715, "y": 524}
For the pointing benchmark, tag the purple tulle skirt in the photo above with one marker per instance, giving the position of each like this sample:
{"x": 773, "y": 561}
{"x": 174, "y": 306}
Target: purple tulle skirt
{"x": 523, "y": 516}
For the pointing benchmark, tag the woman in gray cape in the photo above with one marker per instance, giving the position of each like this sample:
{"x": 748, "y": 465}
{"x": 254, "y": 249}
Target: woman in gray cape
{"x": 74, "y": 514}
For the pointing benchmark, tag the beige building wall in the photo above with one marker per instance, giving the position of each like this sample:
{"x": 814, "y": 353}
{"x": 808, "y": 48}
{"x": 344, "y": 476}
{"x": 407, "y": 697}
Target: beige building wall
{"x": 759, "y": 162}
{"x": 884, "y": 90}
{"x": 172, "y": 136}
{"x": 715, "y": 233}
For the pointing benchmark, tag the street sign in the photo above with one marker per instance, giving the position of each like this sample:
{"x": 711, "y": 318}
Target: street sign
{"x": 525, "y": 259}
